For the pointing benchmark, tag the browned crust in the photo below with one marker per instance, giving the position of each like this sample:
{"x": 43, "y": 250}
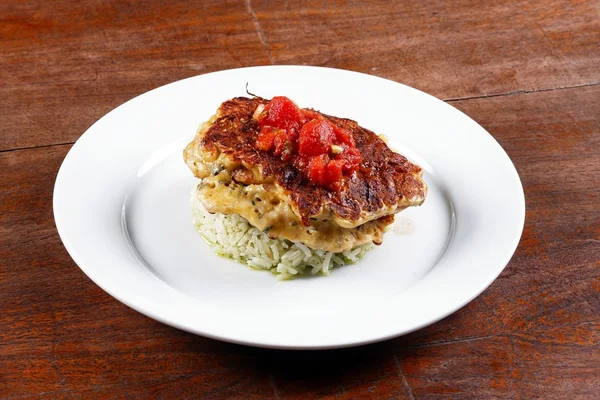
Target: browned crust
{"x": 383, "y": 179}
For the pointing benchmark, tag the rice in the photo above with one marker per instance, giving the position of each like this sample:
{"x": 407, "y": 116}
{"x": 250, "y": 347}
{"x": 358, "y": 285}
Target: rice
{"x": 233, "y": 237}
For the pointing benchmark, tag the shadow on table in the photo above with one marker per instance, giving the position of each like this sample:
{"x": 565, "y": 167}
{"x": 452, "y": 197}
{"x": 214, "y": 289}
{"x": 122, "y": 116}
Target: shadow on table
{"x": 320, "y": 372}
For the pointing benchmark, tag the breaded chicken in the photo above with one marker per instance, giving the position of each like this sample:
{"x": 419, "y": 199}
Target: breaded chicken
{"x": 274, "y": 195}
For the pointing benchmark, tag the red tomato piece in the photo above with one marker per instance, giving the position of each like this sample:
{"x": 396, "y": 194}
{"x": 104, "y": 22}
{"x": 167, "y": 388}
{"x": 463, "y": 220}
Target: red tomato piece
{"x": 316, "y": 137}
{"x": 282, "y": 113}
{"x": 279, "y": 142}
{"x": 333, "y": 172}
{"x": 265, "y": 139}
{"x": 305, "y": 138}
{"x": 316, "y": 169}
{"x": 352, "y": 159}
{"x": 343, "y": 135}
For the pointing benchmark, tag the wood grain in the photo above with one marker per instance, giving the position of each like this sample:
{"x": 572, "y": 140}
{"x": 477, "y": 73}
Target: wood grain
{"x": 557, "y": 363}
{"x": 451, "y": 49}
{"x": 66, "y": 65}
{"x": 553, "y": 138}
{"x": 533, "y": 333}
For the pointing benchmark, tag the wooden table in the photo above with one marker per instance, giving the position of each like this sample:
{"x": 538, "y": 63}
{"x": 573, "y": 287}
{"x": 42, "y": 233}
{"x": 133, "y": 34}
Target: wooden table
{"x": 527, "y": 71}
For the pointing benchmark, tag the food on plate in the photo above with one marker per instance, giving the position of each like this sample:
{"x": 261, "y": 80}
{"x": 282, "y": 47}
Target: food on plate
{"x": 292, "y": 190}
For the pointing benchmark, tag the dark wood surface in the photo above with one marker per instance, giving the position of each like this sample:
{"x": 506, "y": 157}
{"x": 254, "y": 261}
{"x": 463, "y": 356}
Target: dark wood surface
{"x": 528, "y": 72}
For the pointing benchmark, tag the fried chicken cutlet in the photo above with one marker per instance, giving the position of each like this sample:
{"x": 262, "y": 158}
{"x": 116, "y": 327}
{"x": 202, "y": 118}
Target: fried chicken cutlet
{"x": 301, "y": 175}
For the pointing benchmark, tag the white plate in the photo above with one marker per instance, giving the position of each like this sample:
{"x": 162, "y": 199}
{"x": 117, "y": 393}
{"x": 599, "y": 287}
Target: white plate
{"x": 121, "y": 204}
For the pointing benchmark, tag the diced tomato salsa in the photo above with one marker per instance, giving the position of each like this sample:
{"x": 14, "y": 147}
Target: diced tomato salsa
{"x": 323, "y": 151}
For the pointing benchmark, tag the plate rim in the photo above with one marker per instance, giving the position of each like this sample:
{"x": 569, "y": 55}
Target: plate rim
{"x": 136, "y": 306}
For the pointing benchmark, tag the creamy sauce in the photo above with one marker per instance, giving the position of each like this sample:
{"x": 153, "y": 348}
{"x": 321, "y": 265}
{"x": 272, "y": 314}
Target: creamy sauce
{"x": 199, "y": 161}
{"x": 366, "y": 217}
{"x": 205, "y": 163}
{"x": 266, "y": 207}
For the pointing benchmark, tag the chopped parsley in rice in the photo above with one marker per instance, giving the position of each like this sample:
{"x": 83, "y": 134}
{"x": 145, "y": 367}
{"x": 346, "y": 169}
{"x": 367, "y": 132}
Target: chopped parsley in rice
{"x": 233, "y": 237}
